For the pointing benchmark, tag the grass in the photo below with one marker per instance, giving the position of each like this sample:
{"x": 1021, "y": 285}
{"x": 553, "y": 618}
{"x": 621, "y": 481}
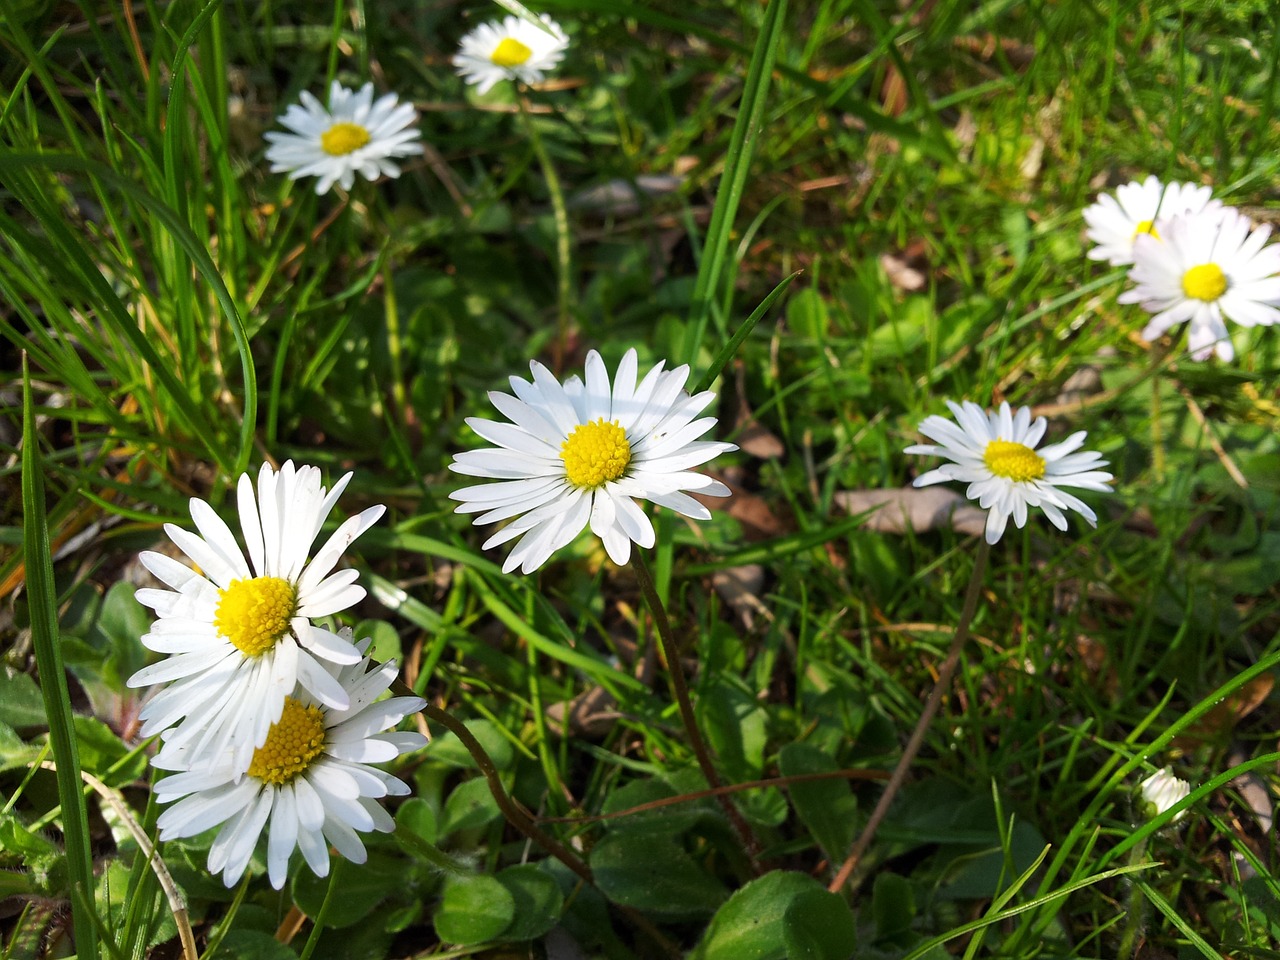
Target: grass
{"x": 903, "y": 189}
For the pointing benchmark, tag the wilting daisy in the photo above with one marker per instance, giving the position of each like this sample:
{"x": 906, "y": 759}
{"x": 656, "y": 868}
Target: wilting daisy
{"x": 310, "y": 784}
{"x": 1207, "y": 268}
{"x": 1161, "y": 791}
{"x": 1137, "y": 209}
{"x": 356, "y": 134}
{"x": 514, "y": 49}
{"x": 240, "y": 639}
{"x": 995, "y": 453}
{"x": 582, "y": 454}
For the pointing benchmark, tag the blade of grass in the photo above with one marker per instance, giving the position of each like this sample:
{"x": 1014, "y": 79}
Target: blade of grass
{"x": 53, "y": 679}
{"x": 742, "y": 142}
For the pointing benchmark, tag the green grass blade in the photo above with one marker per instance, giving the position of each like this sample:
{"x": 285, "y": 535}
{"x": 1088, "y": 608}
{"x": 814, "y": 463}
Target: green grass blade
{"x": 746, "y": 130}
{"x": 730, "y": 348}
{"x": 45, "y": 638}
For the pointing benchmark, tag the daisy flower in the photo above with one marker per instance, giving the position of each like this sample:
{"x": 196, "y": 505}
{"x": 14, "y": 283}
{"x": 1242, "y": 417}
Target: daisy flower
{"x": 240, "y": 639}
{"x": 355, "y": 135}
{"x": 512, "y": 50}
{"x": 1137, "y": 209}
{"x": 309, "y": 784}
{"x": 995, "y": 453}
{"x": 582, "y": 454}
{"x": 1162, "y": 790}
{"x": 1207, "y": 268}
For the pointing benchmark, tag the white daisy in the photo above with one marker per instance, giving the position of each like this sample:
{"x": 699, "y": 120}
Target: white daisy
{"x": 1141, "y": 208}
{"x": 515, "y": 49}
{"x": 1207, "y": 268}
{"x": 355, "y": 135}
{"x": 240, "y": 640}
{"x": 582, "y": 454}
{"x": 311, "y": 780}
{"x": 996, "y": 455}
{"x": 1162, "y": 790}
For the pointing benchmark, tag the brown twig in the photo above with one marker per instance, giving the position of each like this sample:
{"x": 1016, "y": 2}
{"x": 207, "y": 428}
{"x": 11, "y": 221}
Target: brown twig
{"x": 940, "y": 689}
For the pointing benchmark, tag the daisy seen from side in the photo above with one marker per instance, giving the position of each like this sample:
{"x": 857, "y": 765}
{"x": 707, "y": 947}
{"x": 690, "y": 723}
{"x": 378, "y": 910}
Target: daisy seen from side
{"x": 997, "y": 455}
{"x": 1138, "y": 209}
{"x": 514, "y": 49}
{"x": 1207, "y": 269}
{"x": 583, "y": 453}
{"x": 309, "y": 785}
{"x": 240, "y": 635}
{"x": 354, "y": 134}
{"x": 1161, "y": 791}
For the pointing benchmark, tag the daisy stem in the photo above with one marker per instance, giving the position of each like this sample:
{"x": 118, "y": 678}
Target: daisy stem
{"x": 940, "y": 688}
{"x": 1137, "y": 908}
{"x": 318, "y": 926}
{"x": 516, "y": 816}
{"x": 398, "y": 395}
{"x": 671, "y": 653}
{"x": 564, "y": 289}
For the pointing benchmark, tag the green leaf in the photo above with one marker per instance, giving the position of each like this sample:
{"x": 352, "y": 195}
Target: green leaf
{"x": 449, "y": 749}
{"x": 474, "y": 909}
{"x": 538, "y": 901}
{"x": 653, "y": 874}
{"x": 818, "y": 925}
{"x": 893, "y": 907}
{"x": 120, "y": 626}
{"x": 418, "y": 816}
{"x": 21, "y": 703}
{"x": 826, "y": 807}
{"x": 751, "y": 924}
{"x": 254, "y": 945}
{"x": 42, "y": 860}
{"x": 386, "y": 639}
{"x": 470, "y": 805}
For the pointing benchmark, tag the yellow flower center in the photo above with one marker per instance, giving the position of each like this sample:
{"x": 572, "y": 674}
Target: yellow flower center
{"x": 510, "y": 53}
{"x": 1206, "y": 282}
{"x": 343, "y": 138}
{"x": 595, "y": 453}
{"x": 293, "y": 742}
{"x": 254, "y": 614}
{"x": 1014, "y": 461}
{"x": 1145, "y": 226}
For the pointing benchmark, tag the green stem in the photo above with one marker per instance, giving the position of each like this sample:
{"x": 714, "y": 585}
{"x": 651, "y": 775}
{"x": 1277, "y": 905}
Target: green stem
{"x": 671, "y": 653}
{"x": 922, "y": 725}
{"x": 564, "y": 287}
{"x": 394, "y": 347}
{"x": 318, "y": 926}
{"x": 1137, "y": 907}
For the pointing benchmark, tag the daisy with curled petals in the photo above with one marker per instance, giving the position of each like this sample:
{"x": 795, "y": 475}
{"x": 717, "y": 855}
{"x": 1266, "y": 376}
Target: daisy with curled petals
{"x": 1141, "y": 208}
{"x": 512, "y": 50}
{"x": 356, "y": 134}
{"x": 581, "y": 454}
{"x": 240, "y": 638}
{"x": 995, "y": 453}
{"x": 1206, "y": 269}
{"x": 309, "y": 784}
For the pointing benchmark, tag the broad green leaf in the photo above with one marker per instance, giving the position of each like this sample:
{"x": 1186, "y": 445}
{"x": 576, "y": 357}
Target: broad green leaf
{"x": 538, "y": 901}
{"x": 364, "y": 886}
{"x": 252, "y": 945}
{"x": 470, "y": 805}
{"x": 653, "y": 874}
{"x": 826, "y": 807}
{"x": 818, "y": 925}
{"x": 474, "y": 909}
{"x": 21, "y": 704}
{"x": 892, "y": 907}
{"x": 418, "y": 816}
{"x": 751, "y": 924}
{"x": 449, "y": 749}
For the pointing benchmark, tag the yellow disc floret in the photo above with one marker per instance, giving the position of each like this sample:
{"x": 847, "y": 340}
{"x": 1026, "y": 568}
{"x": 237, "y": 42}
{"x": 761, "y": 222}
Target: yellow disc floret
{"x": 294, "y": 740}
{"x": 343, "y": 138}
{"x": 1206, "y": 282}
{"x": 510, "y": 53}
{"x": 1145, "y": 226}
{"x": 1013, "y": 461}
{"x": 595, "y": 453}
{"x": 254, "y": 614}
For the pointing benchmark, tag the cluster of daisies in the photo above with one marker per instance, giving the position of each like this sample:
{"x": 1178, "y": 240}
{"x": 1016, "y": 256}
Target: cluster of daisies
{"x": 356, "y": 134}
{"x": 1191, "y": 259}
{"x": 267, "y": 718}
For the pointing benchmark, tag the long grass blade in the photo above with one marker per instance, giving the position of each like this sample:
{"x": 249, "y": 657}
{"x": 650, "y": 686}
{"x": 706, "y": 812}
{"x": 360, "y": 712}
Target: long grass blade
{"x": 41, "y": 597}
